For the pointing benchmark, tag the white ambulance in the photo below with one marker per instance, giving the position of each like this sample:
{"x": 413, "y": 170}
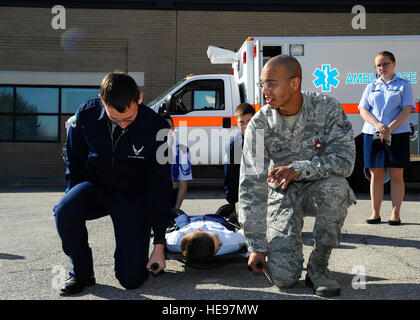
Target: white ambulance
{"x": 203, "y": 106}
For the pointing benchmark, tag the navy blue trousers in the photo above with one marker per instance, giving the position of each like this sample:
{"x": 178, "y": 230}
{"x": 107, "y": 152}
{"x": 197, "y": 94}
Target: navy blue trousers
{"x": 85, "y": 202}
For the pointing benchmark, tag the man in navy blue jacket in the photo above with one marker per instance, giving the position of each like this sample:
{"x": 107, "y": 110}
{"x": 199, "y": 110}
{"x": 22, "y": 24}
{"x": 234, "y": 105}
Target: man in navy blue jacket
{"x": 113, "y": 168}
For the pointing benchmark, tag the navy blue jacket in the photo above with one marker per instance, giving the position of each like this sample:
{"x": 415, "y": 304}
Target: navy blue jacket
{"x": 129, "y": 168}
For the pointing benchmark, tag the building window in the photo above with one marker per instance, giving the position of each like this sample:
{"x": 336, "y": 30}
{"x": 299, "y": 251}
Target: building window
{"x": 6, "y": 99}
{"x": 36, "y": 116}
{"x": 6, "y": 127}
{"x": 6, "y": 108}
{"x": 33, "y": 113}
{"x": 36, "y": 128}
{"x": 71, "y": 98}
{"x": 36, "y": 100}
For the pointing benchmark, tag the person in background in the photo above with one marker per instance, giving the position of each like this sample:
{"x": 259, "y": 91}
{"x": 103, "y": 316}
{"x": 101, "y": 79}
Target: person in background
{"x": 232, "y": 158}
{"x": 385, "y": 106}
{"x": 181, "y": 167}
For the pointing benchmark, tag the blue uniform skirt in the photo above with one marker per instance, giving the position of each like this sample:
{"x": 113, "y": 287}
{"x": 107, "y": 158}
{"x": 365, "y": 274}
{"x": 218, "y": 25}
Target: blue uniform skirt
{"x": 378, "y": 154}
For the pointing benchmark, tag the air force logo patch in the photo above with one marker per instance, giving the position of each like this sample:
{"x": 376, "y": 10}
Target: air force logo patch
{"x": 137, "y": 153}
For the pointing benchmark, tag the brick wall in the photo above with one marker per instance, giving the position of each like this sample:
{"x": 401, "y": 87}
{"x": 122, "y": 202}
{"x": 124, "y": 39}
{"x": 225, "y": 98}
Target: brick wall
{"x": 164, "y": 44}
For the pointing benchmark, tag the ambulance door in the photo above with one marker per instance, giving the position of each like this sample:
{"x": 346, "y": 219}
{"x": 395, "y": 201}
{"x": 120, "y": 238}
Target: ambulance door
{"x": 202, "y": 114}
{"x": 264, "y": 50}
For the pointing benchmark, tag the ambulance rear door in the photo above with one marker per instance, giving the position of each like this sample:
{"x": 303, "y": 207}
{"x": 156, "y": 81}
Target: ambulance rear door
{"x": 264, "y": 49}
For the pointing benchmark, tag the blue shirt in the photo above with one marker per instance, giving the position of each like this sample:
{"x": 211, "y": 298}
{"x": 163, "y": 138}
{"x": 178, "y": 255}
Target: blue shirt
{"x": 385, "y": 102}
{"x": 232, "y": 241}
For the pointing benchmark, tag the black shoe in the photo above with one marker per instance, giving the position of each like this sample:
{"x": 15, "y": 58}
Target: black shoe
{"x": 374, "y": 221}
{"x": 226, "y": 210}
{"x": 176, "y": 213}
{"x": 72, "y": 285}
{"x": 233, "y": 219}
{"x": 394, "y": 222}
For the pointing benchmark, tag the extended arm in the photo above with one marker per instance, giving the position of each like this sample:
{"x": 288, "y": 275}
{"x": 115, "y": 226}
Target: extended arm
{"x": 77, "y": 154}
{"x": 253, "y": 189}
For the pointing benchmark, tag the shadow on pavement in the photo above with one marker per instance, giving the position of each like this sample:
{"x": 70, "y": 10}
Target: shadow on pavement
{"x": 243, "y": 287}
{"x": 8, "y": 256}
{"x": 367, "y": 239}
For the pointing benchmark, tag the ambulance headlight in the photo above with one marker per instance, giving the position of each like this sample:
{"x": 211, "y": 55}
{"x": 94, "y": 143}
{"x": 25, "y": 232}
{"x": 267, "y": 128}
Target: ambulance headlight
{"x": 296, "y": 50}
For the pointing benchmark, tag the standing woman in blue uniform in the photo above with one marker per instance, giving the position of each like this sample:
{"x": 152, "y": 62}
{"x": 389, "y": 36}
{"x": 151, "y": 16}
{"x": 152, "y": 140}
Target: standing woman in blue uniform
{"x": 113, "y": 168}
{"x": 385, "y": 106}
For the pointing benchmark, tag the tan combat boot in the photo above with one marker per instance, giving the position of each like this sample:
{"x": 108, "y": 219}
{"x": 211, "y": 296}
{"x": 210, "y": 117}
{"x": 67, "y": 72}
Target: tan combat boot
{"x": 318, "y": 275}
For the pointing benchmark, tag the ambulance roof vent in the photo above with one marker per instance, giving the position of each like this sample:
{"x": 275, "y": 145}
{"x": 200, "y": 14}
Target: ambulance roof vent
{"x": 221, "y": 56}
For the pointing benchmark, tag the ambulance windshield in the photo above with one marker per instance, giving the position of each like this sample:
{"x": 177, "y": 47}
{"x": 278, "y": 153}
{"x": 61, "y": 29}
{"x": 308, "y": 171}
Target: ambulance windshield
{"x": 164, "y": 94}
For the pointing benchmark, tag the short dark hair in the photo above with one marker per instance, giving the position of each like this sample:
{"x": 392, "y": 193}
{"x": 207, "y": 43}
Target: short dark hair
{"x": 197, "y": 245}
{"x": 243, "y": 109}
{"x": 289, "y": 63}
{"x": 118, "y": 90}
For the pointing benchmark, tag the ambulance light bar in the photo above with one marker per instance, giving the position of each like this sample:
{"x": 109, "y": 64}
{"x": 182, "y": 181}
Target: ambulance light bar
{"x": 221, "y": 56}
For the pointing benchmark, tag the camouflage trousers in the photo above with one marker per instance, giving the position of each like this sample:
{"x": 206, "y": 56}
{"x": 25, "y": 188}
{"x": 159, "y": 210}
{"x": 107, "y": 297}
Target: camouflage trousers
{"x": 326, "y": 199}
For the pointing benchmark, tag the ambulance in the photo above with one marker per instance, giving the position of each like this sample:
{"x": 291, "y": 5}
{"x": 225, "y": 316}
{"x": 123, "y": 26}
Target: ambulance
{"x": 203, "y": 106}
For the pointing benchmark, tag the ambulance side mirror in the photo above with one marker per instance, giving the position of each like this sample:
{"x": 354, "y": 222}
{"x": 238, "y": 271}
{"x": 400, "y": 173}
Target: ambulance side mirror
{"x": 165, "y": 107}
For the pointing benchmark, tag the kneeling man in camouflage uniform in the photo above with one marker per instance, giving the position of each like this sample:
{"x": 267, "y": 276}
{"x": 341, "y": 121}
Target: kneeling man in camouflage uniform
{"x": 297, "y": 152}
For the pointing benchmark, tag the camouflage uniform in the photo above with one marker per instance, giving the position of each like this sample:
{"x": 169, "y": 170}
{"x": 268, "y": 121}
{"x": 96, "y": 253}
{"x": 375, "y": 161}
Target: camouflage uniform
{"x": 322, "y": 143}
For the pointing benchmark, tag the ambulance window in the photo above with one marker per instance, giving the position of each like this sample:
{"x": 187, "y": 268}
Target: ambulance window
{"x": 242, "y": 92}
{"x": 240, "y": 69}
{"x": 269, "y": 52}
{"x": 200, "y": 95}
{"x": 204, "y": 100}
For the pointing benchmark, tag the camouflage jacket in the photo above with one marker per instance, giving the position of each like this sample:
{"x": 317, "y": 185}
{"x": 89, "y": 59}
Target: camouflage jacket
{"x": 322, "y": 143}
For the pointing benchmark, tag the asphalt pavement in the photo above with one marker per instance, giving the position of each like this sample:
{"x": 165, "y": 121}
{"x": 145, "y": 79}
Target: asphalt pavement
{"x": 375, "y": 262}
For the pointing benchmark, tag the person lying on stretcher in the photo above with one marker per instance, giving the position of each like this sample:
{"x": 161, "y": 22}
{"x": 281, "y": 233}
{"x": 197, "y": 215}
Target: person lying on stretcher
{"x": 200, "y": 237}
